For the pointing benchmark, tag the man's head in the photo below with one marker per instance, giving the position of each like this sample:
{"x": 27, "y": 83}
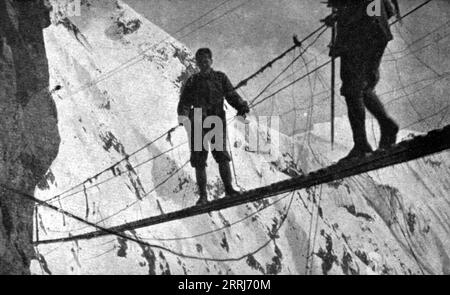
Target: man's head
{"x": 203, "y": 57}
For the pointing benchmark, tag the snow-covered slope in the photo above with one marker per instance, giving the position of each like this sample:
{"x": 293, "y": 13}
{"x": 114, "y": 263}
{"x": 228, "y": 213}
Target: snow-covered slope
{"x": 391, "y": 221}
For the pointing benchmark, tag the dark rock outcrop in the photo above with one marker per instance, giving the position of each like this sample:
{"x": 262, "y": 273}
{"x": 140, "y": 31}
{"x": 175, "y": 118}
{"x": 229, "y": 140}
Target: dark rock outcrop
{"x": 29, "y": 138}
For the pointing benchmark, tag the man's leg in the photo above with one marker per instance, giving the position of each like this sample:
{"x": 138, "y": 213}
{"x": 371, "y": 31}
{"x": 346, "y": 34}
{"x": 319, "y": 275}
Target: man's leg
{"x": 388, "y": 126}
{"x": 198, "y": 161}
{"x": 352, "y": 87}
{"x": 227, "y": 179}
{"x": 357, "y": 118}
{"x": 202, "y": 180}
{"x": 223, "y": 158}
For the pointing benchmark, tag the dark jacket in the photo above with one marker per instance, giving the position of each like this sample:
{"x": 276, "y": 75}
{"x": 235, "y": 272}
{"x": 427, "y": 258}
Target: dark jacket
{"x": 207, "y": 91}
{"x": 355, "y": 26}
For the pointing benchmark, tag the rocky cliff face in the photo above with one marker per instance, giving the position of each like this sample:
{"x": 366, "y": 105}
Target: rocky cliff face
{"x": 29, "y": 137}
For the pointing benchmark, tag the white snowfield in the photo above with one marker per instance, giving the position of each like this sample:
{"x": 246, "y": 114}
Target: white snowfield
{"x": 391, "y": 221}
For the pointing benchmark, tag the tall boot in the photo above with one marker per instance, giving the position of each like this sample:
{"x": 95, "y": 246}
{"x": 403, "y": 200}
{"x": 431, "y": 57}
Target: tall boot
{"x": 225, "y": 174}
{"x": 388, "y": 127}
{"x": 357, "y": 117}
{"x": 200, "y": 173}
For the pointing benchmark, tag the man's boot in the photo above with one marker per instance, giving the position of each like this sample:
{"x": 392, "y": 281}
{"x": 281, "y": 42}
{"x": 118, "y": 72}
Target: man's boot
{"x": 389, "y": 131}
{"x": 225, "y": 174}
{"x": 357, "y": 117}
{"x": 200, "y": 174}
{"x": 388, "y": 127}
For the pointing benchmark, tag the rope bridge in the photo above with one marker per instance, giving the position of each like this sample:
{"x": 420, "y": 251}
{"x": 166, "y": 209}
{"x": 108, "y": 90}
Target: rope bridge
{"x": 420, "y": 146}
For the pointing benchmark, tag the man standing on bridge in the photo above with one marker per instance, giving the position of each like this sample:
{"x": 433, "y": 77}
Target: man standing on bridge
{"x": 360, "y": 42}
{"x": 203, "y": 96}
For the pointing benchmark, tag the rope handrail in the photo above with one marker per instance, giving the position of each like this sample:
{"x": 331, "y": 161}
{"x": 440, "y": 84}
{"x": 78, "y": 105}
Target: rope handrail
{"x": 411, "y": 149}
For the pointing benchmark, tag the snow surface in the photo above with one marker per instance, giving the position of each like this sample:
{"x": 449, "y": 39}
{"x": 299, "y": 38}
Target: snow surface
{"x": 391, "y": 221}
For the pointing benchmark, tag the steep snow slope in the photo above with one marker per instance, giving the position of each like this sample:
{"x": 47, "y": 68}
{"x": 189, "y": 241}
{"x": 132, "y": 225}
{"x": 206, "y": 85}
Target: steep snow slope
{"x": 391, "y": 221}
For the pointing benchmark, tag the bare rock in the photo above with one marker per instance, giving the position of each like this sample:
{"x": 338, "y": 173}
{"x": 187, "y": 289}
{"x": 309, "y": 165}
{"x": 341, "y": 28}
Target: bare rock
{"x": 29, "y": 138}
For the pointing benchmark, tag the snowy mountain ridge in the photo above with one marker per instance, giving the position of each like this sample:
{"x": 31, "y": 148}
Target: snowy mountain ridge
{"x": 395, "y": 220}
